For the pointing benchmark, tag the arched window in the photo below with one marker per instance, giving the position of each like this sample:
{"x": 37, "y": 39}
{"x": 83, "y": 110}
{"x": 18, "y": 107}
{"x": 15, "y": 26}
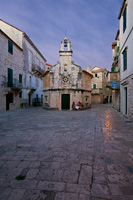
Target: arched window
{"x": 65, "y": 43}
{"x": 65, "y": 67}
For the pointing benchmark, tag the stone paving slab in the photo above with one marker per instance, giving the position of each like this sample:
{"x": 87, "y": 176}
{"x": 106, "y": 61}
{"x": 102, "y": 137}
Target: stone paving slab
{"x": 66, "y": 155}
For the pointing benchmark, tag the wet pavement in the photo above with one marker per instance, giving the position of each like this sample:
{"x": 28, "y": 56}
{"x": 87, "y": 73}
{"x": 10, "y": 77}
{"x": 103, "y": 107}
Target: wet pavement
{"x": 66, "y": 155}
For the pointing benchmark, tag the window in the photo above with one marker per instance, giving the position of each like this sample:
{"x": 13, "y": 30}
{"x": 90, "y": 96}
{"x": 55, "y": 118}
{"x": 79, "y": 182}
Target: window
{"x": 125, "y": 100}
{"x": 10, "y": 77}
{"x": 20, "y": 78}
{"x": 10, "y": 97}
{"x": 41, "y": 98}
{"x": 42, "y": 66}
{"x": 10, "y": 47}
{"x": 94, "y": 86}
{"x": 30, "y": 81}
{"x": 65, "y": 43}
{"x": 73, "y": 68}
{"x": 37, "y": 82}
{"x": 20, "y": 94}
{"x": 125, "y": 59}
{"x": 65, "y": 67}
{"x": 124, "y": 20}
{"x": 95, "y": 75}
{"x": 30, "y": 57}
{"x": 37, "y": 61}
{"x": 112, "y": 69}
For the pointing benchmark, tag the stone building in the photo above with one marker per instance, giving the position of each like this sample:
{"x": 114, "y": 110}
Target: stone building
{"x": 99, "y": 90}
{"x": 33, "y": 65}
{"x": 66, "y": 82}
{"x": 34, "y": 68}
{"x": 48, "y": 66}
{"x": 113, "y": 81}
{"x": 11, "y": 71}
{"x": 126, "y": 58}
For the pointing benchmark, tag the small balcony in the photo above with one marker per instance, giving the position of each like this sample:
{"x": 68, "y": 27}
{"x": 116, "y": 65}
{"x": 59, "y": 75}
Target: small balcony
{"x": 113, "y": 81}
{"x": 37, "y": 69}
{"x": 96, "y": 91}
{"x": 13, "y": 85}
{"x": 113, "y": 85}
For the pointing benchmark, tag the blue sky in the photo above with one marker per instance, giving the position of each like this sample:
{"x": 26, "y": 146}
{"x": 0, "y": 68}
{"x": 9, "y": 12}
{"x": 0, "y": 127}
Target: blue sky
{"x": 90, "y": 25}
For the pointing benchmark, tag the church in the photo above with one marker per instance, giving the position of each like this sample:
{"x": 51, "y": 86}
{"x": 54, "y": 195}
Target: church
{"x": 66, "y": 82}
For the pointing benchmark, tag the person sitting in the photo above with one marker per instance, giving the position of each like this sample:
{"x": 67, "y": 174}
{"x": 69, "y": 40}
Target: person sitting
{"x": 79, "y": 106}
{"x": 73, "y": 106}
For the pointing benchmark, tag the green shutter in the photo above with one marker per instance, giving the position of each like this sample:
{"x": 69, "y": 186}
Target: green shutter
{"x": 10, "y": 77}
{"x": 112, "y": 69}
{"x": 10, "y": 47}
{"x": 124, "y": 20}
{"x": 125, "y": 60}
{"x": 20, "y": 78}
{"x": 94, "y": 86}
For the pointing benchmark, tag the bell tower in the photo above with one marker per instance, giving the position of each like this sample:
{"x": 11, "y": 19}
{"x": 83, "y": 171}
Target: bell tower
{"x": 65, "y": 54}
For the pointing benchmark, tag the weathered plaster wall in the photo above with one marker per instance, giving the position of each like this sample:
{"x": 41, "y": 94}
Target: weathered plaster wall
{"x": 14, "y": 62}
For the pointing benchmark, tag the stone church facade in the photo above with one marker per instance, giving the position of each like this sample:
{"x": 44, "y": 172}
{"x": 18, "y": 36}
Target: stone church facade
{"x": 66, "y": 82}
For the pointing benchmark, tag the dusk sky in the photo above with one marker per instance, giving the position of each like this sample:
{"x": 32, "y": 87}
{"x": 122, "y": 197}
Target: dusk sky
{"x": 91, "y": 26}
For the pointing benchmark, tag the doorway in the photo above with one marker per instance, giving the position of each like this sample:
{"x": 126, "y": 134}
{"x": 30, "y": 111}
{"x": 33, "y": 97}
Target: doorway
{"x": 110, "y": 99}
{"x": 65, "y": 101}
{"x": 29, "y": 99}
{"x": 9, "y": 99}
{"x": 125, "y": 101}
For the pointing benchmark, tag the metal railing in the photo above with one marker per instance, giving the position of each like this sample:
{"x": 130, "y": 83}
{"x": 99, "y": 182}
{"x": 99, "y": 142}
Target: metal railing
{"x": 37, "y": 102}
{"x": 97, "y": 91}
{"x": 37, "y": 69}
{"x": 109, "y": 84}
{"x": 14, "y": 84}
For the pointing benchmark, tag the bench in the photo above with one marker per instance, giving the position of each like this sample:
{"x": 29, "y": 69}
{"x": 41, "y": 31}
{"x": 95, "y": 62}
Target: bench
{"x": 23, "y": 103}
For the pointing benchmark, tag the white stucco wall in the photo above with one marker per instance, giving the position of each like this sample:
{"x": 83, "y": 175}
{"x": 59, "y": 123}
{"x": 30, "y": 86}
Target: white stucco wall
{"x": 126, "y": 76}
{"x": 126, "y": 40}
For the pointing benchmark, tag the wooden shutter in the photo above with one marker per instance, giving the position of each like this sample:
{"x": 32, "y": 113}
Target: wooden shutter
{"x": 125, "y": 60}
{"x": 10, "y": 47}
{"x": 20, "y": 78}
{"x": 10, "y": 77}
{"x": 124, "y": 20}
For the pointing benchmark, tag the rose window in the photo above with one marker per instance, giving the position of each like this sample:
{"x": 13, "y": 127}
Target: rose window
{"x": 65, "y": 79}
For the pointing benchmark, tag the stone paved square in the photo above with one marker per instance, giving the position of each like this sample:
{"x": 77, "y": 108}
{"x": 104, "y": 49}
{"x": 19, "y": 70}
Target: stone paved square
{"x": 66, "y": 155}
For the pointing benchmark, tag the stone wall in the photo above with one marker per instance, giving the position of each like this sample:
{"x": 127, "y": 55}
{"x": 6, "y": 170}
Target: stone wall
{"x": 116, "y": 99}
{"x": 97, "y": 99}
{"x": 46, "y": 81}
{"x": 14, "y": 62}
{"x": 128, "y": 82}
